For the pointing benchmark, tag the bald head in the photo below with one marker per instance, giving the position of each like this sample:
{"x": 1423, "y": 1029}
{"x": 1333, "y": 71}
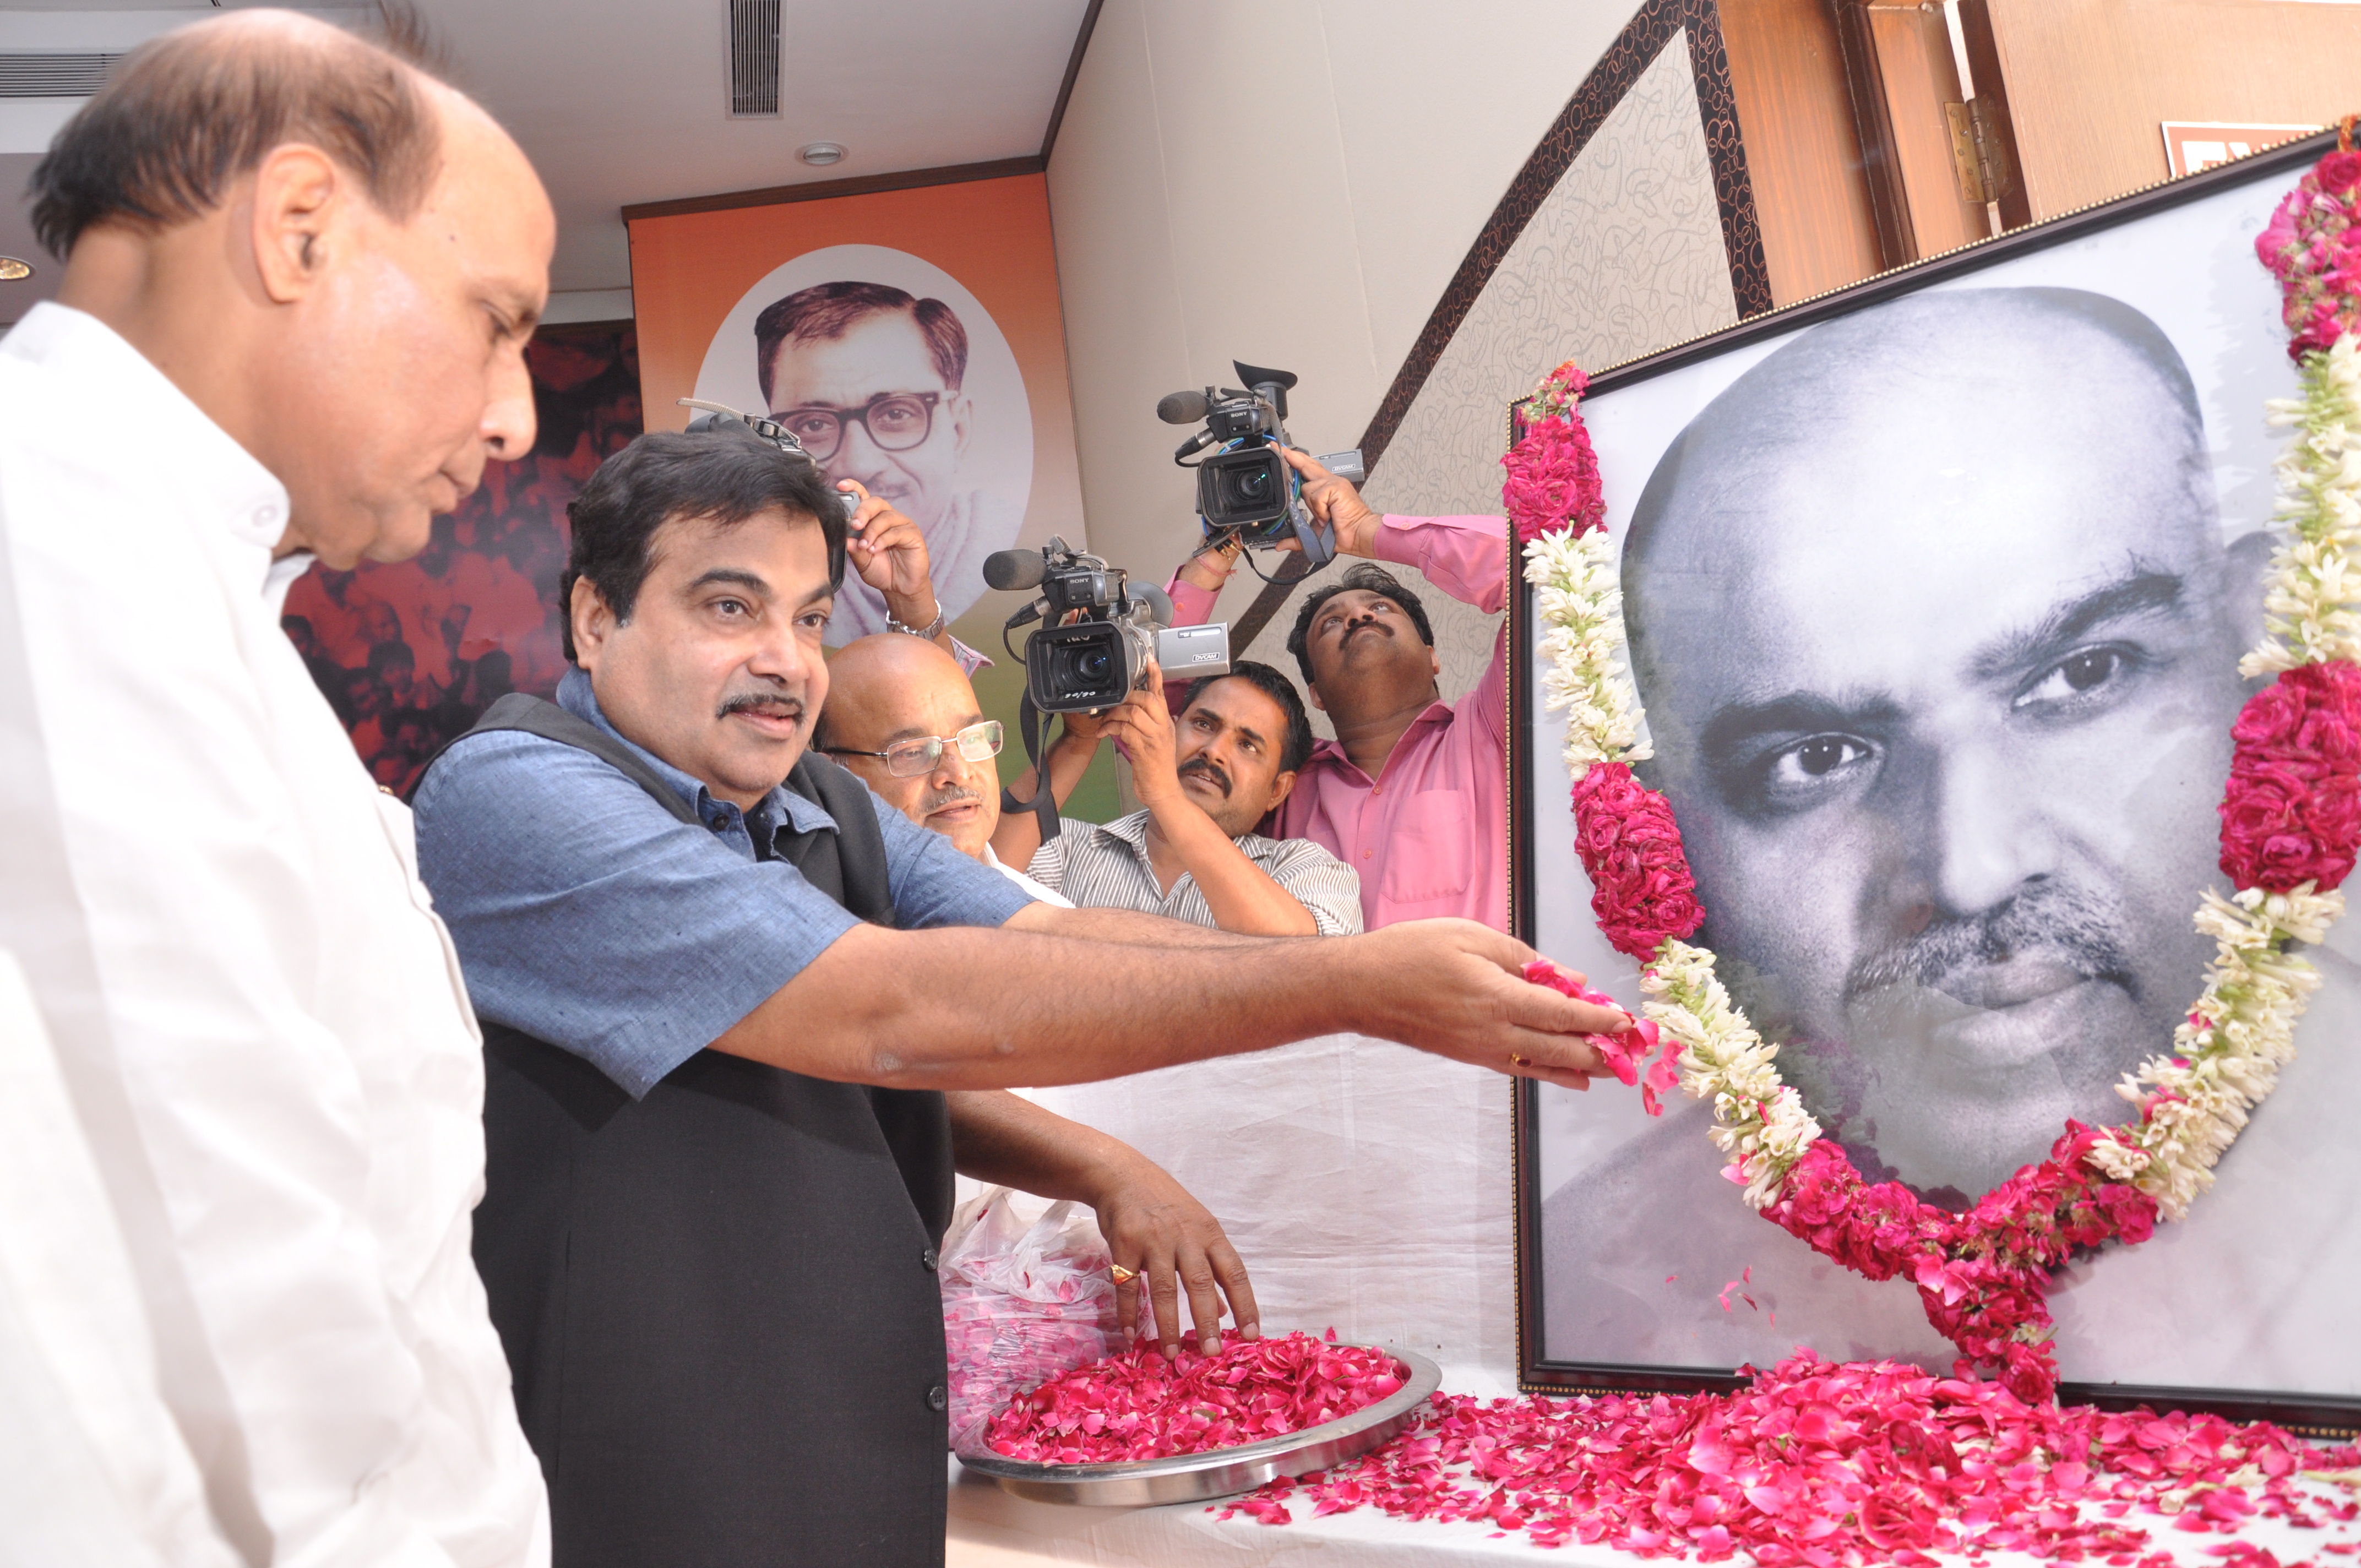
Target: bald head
{"x": 190, "y": 112}
{"x": 336, "y": 258}
{"x": 893, "y": 687}
{"x": 1932, "y": 618}
{"x": 1921, "y": 414}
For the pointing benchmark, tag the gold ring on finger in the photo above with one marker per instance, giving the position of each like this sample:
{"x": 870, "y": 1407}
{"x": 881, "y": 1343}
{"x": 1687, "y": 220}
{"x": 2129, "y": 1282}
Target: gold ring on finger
{"x": 1121, "y": 1275}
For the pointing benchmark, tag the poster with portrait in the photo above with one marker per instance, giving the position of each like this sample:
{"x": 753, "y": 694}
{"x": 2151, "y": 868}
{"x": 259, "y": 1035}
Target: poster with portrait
{"x": 913, "y": 341}
{"x": 1935, "y": 592}
{"x": 410, "y": 652}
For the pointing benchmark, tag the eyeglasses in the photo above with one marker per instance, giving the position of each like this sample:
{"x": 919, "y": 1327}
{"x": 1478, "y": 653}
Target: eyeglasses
{"x": 910, "y": 758}
{"x": 895, "y": 420}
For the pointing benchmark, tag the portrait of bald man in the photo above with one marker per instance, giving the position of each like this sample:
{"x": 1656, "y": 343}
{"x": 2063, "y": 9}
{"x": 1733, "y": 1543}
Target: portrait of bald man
{"x": 1936, "y": 623}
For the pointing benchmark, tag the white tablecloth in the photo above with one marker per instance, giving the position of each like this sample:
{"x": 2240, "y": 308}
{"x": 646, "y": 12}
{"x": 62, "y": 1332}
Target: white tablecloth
{"x": 1368, "y": 1187}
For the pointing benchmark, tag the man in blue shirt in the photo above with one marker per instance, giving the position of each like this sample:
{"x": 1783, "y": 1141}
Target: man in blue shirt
{"x": 738, "y": 1031}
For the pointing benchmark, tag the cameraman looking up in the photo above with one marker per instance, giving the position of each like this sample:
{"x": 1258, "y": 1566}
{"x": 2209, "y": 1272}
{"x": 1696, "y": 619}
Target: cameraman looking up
{"x": 1192, "y": 854}
{"x": 1413, "y": 792}
{"x": 726, "y": 990}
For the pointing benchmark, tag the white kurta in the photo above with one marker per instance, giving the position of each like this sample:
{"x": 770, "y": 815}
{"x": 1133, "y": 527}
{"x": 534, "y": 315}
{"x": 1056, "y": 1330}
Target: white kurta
{"x": 258, "y": 1016}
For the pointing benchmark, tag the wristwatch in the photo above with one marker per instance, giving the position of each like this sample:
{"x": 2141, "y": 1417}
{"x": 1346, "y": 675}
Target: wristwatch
{"x": 929, "y": 632}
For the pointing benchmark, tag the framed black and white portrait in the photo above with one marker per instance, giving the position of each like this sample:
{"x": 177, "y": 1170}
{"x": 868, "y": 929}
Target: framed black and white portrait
{"x": 1935, "y": 592}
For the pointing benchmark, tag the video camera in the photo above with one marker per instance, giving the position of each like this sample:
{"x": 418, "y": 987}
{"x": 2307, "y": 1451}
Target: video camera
{"x": 1099, "y": 632}
{"x": 1247, "y": 489}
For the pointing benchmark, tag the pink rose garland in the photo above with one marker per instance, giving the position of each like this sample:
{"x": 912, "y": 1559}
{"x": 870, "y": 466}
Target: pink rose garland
{"x": 1643, "y": 890}
{"x": 2292, "y": 811}
{"x": 2312, "y": 246}
{"x": 1552, "y": 480}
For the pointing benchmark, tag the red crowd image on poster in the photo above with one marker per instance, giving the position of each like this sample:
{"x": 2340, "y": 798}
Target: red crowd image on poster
{"x": 410, "y": 653}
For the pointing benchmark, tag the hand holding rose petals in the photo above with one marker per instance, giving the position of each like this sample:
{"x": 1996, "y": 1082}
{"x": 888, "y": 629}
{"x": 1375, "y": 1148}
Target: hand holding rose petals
{"x": 1625, "y": 1053}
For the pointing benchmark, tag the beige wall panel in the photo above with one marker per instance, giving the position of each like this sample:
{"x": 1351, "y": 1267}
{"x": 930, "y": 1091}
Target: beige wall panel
{"x": 2089, "y": 81}
{"x": 1359, "y": 145}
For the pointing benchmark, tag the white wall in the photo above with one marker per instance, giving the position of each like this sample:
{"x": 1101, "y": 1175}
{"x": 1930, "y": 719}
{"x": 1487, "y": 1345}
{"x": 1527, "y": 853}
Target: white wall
{"x": 1291, "y": 183}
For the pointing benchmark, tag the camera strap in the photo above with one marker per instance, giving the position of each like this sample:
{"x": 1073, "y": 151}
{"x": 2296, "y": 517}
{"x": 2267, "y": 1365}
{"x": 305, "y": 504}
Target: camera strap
{"x": 1044, "y": 803}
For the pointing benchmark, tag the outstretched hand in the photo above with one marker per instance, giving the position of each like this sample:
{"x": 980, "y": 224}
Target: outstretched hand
{"x": 1458, "y": 989}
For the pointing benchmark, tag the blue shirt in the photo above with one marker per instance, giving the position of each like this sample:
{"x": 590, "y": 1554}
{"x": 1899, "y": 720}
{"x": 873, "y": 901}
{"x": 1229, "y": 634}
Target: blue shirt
{"x": 587, "y": 916}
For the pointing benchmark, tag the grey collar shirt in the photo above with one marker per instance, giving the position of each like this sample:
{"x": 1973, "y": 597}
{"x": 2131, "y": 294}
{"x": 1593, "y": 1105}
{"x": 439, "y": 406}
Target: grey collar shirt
{"x": 1106, "y": 866}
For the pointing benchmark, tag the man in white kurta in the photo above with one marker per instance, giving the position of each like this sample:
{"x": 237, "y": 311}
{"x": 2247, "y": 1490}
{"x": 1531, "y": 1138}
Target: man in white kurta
{"x": 258, "y": 1014}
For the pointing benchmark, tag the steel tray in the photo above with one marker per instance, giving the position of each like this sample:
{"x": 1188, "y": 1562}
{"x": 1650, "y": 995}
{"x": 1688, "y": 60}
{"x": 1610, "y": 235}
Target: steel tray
{"x": 1219, "y": 1471}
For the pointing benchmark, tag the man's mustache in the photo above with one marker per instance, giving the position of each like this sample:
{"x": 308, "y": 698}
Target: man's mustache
{"x": 957, "y": 795}
{"x": 753, "y": 702}
{"x": 2050, "y": 918}
{"x": 1209, "y": 769}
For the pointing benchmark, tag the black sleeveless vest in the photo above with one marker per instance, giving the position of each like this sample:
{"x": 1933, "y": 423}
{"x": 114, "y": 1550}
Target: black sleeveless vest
{"x": 720, "y": 1302}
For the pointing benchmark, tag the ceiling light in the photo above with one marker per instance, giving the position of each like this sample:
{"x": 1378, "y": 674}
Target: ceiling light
{"x": 12, "y": 270}
{"x": 820, "y": 154}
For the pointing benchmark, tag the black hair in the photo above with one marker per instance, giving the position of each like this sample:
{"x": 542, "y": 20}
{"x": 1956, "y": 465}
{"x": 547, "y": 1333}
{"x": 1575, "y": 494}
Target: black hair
{"x": 829, "y": 310}
{"x": 1370, "y": 578}
{"x": 388, "y": 653}
{"x": 1297, "y": 748}
{"x": 724, "y": 476}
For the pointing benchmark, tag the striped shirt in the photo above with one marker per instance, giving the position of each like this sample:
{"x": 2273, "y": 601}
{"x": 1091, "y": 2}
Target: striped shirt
{"x": 1106, "y": 866}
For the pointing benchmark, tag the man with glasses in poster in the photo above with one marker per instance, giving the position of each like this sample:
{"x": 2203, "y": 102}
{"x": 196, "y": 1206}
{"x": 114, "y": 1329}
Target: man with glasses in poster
{"x": 870, "y": 380}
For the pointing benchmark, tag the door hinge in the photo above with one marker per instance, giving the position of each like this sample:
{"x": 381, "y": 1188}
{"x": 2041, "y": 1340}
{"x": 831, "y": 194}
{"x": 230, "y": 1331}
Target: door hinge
{"x": 1979, "y": 152}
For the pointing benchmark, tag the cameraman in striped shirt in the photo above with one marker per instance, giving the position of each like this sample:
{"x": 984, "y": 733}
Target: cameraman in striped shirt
{"x": 1205, "y": 779}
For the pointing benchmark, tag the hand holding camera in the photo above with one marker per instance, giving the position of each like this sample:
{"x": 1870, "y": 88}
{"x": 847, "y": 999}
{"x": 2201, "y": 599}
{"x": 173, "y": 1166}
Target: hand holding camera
{"x": 1245, "y": 488}
{"x": 1141, "y": 728}
{"x": 1334, "y": 500}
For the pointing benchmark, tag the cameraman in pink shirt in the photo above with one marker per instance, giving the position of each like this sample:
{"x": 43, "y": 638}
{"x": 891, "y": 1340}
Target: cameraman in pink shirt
{"x": 1412, "y": 793}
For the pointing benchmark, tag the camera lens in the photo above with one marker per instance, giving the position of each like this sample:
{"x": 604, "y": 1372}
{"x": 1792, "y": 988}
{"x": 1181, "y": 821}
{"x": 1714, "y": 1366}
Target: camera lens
{"x": 1092, "y": 665}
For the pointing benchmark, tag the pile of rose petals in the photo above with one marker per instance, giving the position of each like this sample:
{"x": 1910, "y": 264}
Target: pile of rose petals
{"x": 1140, "y": 1405}
{"x": 1824, "y": 1466}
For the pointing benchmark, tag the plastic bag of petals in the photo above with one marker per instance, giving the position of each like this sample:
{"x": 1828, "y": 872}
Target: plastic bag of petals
{"x": 1021, "y": 1303}
{"x": 1140, "y": 1405}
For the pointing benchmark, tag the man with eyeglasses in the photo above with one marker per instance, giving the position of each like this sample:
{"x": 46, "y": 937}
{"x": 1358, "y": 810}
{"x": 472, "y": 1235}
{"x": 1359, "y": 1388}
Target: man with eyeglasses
{"x": 872, "y": 381}
{"x": 903, "y": 717}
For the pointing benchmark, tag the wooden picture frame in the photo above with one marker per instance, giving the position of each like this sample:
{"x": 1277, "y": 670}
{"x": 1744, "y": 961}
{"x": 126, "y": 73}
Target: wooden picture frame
{"x": 1635, "y": 410}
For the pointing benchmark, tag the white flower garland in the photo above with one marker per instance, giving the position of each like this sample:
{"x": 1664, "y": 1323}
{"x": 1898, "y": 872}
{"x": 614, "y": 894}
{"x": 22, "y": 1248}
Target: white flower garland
{"x": 2242, "y": 1030}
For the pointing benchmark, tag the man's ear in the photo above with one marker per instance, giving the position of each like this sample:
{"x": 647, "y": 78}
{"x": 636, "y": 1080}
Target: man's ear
{"x": 300, "y": 205}
{"x": 1313, "y": 692}
{"x": 1281, "y": 788}
{"x": 592, "y": 621}
{"x": 2249, "y": 570}
{"x": 962, "y": 412}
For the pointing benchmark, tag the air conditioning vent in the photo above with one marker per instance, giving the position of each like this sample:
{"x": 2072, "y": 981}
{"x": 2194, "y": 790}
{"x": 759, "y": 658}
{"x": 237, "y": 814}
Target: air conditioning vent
{"x": 60, "y": 75}
{"x": 753, "y": 59}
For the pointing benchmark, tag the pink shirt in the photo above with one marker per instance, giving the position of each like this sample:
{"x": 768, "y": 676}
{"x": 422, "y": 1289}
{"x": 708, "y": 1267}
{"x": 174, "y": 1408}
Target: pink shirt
{"x": 1430, "y": 833}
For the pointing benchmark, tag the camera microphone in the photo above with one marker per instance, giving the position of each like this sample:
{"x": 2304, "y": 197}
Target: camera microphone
{"x": 1013, "y": 569}
{"x": 1182, "y": 408}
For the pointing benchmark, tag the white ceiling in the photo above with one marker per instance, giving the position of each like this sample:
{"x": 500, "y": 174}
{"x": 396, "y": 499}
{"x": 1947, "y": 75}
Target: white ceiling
{"x": 619, "y": 102}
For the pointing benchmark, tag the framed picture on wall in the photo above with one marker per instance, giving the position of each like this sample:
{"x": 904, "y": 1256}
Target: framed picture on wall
{"x": 1935, "y": 591}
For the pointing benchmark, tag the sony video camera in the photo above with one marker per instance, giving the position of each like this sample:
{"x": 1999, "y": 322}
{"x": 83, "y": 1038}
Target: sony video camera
{"x": 1098, "y": 634}
{"x": 1247, "y": 489}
